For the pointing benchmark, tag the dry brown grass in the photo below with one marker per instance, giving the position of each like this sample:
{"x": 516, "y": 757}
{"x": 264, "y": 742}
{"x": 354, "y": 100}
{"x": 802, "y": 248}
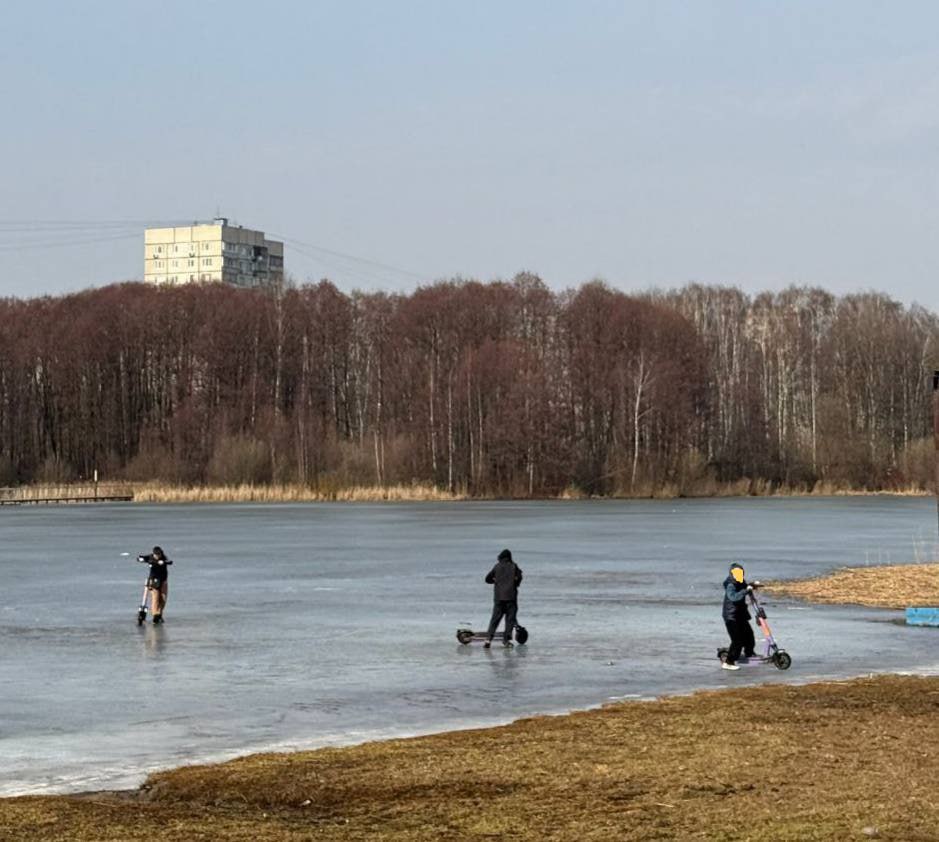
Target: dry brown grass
{"x": 154, "y": 493}
{"x": 708, "y": 487}
{"x": 832, "y": 489}
{"x": 157, "y": 492}
{"x": 824, "y": 761}
{"x": 883, "y": 586}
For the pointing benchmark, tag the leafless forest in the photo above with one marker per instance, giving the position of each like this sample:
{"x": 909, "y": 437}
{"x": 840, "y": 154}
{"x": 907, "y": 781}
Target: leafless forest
{"x": 496, "y": 388}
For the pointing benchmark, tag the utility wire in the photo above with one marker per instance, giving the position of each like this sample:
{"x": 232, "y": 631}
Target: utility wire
{"x": 59, "y": 243}
{"x": 19, "y": 234}
{"x": 24, "y": 234}
{"x": 17, "y": 224}
{"x": 337, "y": 271}
{"x": 387, "y": 266}
{"x": 341, "y": 269}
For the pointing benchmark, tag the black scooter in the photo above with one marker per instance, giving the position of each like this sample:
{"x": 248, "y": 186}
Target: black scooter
{"x": 467, "y": 636}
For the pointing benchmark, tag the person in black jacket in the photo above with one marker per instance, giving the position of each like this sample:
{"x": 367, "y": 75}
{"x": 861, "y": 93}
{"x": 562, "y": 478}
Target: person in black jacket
{"x": 737, "y": 616}
{"x": 506, "y": 576}
{"x": 157, "y": 581}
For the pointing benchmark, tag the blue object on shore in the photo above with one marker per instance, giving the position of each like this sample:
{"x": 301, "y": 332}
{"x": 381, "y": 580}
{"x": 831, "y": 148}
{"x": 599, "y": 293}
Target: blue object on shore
{"x": 922, "y": 616}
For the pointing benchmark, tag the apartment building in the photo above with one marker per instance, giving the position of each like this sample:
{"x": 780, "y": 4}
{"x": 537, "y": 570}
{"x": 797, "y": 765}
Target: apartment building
{"x": 212, "y": 251}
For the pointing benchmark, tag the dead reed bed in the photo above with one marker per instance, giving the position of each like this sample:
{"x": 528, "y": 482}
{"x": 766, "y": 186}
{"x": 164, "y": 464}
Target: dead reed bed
{"x": 158, "y": 492}
{"x": 832, "y": 761}
{"x": 153, "y": 493}
{"x": 830, "y": 489}
{"x": 880, "y": 586}
{"x": 708, "y": 487}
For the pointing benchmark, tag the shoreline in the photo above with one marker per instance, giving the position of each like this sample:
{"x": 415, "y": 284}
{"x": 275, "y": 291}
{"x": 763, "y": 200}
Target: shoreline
{"x": 410, "y": 493}
{"x": 288, "y": 748}
{"x": 406, "y": 494}
{"x": 285, "y": 749}
{"x": 803, "y": 761}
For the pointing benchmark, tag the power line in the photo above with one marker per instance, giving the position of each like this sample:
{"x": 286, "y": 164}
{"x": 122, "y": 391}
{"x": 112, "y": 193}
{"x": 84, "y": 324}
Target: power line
{"x": 86, "y": 223}
{"x": 19, "y": 233}
{"x": 421, "y": 276}
{"x": 340, "y": 271}
{"x": 59, "y": 243}
{"x": 351, "y": 269}
{"x": 25, "y": 234}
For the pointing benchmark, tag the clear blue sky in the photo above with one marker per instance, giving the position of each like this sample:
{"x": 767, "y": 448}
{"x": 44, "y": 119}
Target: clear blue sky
{"x": 648, "y": 143}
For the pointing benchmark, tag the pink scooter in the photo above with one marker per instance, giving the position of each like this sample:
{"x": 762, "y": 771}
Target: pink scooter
{"x": 771, "y": 653}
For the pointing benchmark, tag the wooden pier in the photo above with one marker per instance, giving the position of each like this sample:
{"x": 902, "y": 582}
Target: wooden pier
{"x": 78, "y": 493}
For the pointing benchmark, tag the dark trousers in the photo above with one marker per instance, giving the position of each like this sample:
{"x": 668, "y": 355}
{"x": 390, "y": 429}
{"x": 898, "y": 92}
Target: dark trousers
{"x": 741, "y": 639}
{"x": 507, "y": 608}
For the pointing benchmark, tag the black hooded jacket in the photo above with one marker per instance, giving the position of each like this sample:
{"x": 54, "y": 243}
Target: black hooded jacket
{"x": 506, "y": 576}
{"x": 735, "y": 600}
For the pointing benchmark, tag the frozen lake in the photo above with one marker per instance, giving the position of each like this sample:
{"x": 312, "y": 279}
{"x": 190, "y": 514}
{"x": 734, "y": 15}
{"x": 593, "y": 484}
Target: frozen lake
{"x": 305, "y": 625}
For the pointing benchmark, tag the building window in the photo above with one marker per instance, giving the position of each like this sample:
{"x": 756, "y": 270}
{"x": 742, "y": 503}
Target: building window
{"x": 192, "y": 262}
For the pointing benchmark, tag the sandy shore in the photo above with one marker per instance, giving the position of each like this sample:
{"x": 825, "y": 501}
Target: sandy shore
{"x": 845, "y": 760}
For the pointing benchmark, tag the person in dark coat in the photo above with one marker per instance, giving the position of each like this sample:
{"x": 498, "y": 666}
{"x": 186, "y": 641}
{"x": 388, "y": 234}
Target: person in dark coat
{"x": 157, "y": 581}
{"x": 505, "y": 578}
{"x": 737, "y": 616}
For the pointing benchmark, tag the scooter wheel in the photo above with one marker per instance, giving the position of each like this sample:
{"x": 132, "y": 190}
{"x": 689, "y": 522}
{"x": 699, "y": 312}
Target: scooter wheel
{"x": 521, "y": 635}
{"x": 140, "y": 618}
{"x": 782, "y": 660}
{"x": 464, "y": 635}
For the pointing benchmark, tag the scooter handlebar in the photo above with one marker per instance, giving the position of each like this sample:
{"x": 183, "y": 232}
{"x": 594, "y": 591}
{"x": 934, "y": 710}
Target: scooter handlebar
{"x": 146, "y": 559}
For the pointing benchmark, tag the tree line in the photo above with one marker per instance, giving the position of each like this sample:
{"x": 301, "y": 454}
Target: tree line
{"x": 503, "y": 388}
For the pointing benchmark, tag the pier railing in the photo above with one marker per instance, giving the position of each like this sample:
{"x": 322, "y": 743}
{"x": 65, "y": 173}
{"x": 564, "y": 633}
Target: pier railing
{"x": 88, "y": 492}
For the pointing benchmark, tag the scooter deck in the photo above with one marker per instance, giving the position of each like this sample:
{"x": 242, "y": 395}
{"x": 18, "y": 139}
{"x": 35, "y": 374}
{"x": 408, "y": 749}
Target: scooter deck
{"x": 780, "y": 659}
{"x": 467, "y": 636}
